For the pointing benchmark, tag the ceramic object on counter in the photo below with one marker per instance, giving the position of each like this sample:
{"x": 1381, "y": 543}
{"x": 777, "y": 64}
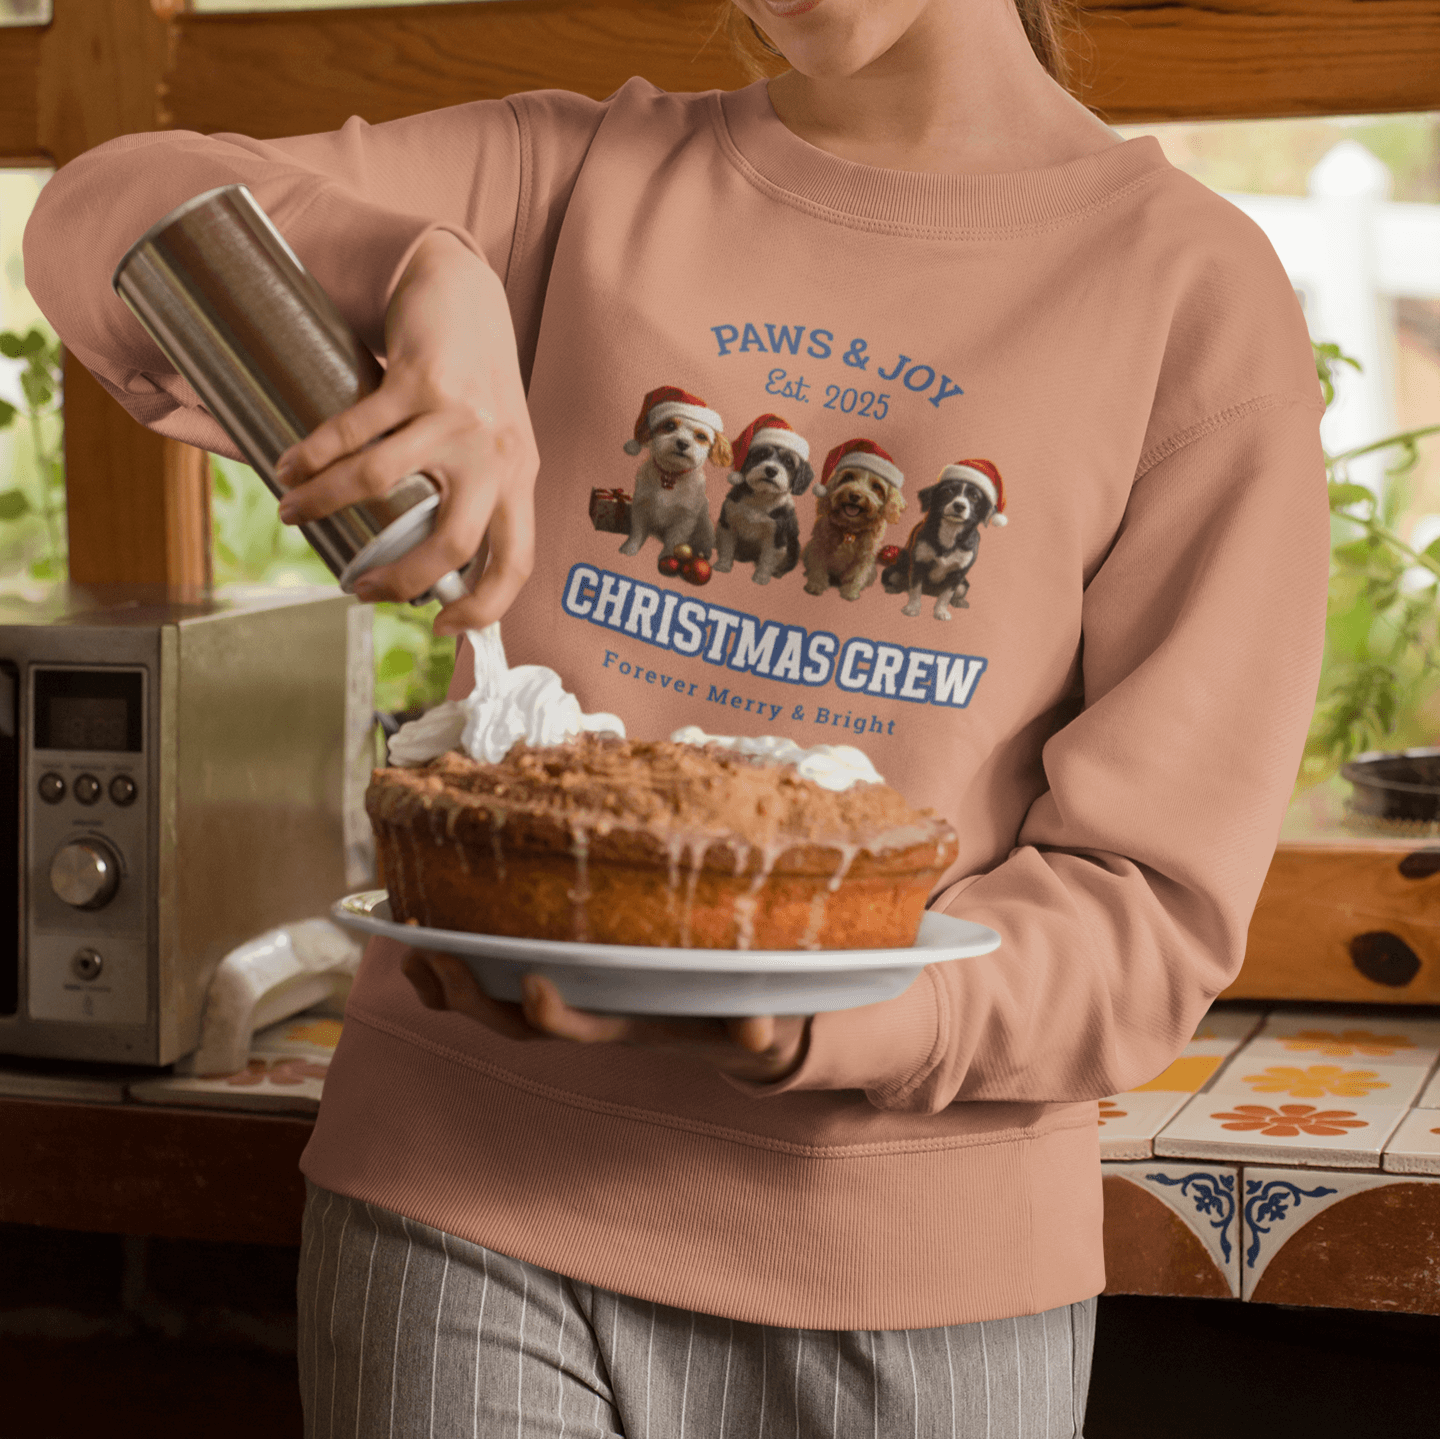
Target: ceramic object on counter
{"x": 267, "y": 979}
{"x": 1172, "y": 1229}
{"x": 1334, "y": 1239}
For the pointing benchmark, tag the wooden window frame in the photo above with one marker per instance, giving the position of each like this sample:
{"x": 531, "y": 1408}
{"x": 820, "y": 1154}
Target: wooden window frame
{"x": 139, "y": 504}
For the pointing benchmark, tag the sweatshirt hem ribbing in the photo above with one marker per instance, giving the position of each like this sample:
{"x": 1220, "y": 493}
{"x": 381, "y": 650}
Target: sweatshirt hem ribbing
{"x": 873, "y": 1240}
{"x": 551, "y": 1094}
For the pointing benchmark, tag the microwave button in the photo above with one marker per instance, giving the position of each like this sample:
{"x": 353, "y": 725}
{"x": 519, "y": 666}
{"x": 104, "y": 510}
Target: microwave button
{"x": 86, "y": 964}
{"x": 87, "y": 789}
{"x": 122, "y": 789}
{"x": 52, "y": 788}
{"x": 85, "y": 873}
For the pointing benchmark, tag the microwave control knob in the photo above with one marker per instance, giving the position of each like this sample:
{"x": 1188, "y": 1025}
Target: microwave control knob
{"x": 85, "y": 873}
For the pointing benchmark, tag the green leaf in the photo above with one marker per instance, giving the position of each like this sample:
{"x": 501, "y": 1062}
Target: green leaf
{"x": 46, "y": 569}
{"x": 11, "y": 345}
{"x": 33, "y": 343}
{"x": 37, "y": 389}
{"x": 395, "y": 663}
{"x": 7, "y": 413}
{"x": 13, "y": 504}
{"x": 223, "y": 488}
{"x": 1343, "y": 495}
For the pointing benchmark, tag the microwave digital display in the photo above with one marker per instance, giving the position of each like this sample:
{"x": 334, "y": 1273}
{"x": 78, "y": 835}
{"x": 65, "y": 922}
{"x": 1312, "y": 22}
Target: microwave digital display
{"x": 91, "y": 710}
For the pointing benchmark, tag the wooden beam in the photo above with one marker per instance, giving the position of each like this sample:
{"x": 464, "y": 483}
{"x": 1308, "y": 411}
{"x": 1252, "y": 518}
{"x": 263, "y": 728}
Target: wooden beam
{"x": 1141, "y": 61}
{"x": 138, "y": 505}
{"x": 298, "y": 72}
{"x": 19, "y": 84}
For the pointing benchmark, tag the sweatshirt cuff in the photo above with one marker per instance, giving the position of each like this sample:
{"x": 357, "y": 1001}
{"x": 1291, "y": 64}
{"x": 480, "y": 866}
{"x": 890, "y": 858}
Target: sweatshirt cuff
{"x": 883, "y": 1049}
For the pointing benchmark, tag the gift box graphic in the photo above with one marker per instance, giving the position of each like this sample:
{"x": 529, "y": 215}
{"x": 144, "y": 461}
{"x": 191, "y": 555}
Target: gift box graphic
{"x": 610, "y": 511}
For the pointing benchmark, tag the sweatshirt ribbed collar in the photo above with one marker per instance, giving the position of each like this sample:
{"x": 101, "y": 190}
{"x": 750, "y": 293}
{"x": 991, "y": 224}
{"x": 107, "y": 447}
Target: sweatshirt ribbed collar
{"x": 780, "y": 160}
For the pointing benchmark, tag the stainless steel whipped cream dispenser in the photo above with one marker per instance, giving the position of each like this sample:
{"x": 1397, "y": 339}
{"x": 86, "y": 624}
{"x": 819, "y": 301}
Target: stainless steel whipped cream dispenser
{"x": 272, "y": 358}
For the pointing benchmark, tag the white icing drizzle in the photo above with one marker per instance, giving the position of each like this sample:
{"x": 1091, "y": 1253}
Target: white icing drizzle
{"x": 811, "y": 938}
{"x": 526, "y": 703}
{"x": 697, "y": 846}
{"x": 831, "y": 766}
{"x": 580, "y": 895}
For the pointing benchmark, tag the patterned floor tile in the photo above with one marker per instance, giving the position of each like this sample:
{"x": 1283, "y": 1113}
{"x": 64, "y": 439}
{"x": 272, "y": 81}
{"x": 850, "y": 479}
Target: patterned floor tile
{"x": 1338, "y": 1036}
{"x": 1329, "y": 1238}
{"x": 1234, "y": 1023}
{"x": 1431, "y": 1097}
{"x": 1344, "y": 1135}
{"x": 1414, "y": 1148}
{"x": 1266, "y": 1050}
{"x": 1188, "y": 1074}
{"x": 1130, "y": 1122}
{"x": 1172, "y": 1229}
{"x": 1290, "y": 1077}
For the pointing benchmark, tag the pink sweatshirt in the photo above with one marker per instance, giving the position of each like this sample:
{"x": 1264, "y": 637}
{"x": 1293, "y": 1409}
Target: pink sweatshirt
{"x": 1113, "y": 358}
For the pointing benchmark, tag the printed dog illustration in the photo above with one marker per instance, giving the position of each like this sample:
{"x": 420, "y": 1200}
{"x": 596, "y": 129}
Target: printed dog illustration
{"x": 683, "y": 435}
{"x": 758, "y": 524}
{"x": 943, "y": 547}
{"x": 857, "y": 497}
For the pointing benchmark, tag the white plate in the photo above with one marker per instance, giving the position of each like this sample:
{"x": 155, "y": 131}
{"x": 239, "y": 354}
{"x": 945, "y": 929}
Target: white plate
{"x": 646, "y": 979}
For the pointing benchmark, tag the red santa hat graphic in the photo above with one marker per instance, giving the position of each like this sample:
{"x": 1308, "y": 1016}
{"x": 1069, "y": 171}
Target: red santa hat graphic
{"x": 766, "y": 430}
{"x": 670, "y": 402}
{"x": 860, "y": 455}
{"x": 987, "y": 477}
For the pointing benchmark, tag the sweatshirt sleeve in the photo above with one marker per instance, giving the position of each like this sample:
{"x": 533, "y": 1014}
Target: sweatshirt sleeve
{"x": 1125, "y": 903}
{"x": 353, "y": 203}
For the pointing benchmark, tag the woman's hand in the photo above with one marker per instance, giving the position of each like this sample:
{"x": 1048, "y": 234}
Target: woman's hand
{"x": 453, "y": 405}
{"x": 765, "y": 1048}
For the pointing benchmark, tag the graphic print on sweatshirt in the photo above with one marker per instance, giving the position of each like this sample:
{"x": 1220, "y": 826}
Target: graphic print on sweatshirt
{"x": 786, "y": 525}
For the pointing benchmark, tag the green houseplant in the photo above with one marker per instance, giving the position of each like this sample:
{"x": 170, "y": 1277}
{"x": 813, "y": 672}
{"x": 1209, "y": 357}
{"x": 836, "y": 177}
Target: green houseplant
{"x": 1381, "y": 670}
{"x": 32, "y": 507}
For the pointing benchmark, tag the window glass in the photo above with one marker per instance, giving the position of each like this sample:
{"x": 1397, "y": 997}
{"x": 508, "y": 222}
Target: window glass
{"x": 25, "y": 12}
{"x": 1352, "y": 207}
{"x": 32, "y": 489}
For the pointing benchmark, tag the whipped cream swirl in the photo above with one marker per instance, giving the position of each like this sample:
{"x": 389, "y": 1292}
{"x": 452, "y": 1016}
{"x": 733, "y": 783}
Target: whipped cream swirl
{"x": 526, "y": 703}
{"x": 831, "y": 766}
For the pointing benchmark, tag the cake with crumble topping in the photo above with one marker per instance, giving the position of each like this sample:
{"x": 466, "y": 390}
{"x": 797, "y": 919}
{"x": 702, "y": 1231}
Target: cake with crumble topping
{"x": 616, "y": 841}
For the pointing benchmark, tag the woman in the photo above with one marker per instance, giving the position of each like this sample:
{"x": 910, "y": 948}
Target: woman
{"x": 917, "y": 253}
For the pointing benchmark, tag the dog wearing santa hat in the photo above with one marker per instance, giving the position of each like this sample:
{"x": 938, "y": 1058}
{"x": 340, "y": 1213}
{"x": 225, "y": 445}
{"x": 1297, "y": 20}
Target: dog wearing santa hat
{"x": 857, "y": 498}
{"x": 758, "y": 524}
{"x": 943, "y": 547}
{"x": 682, "y": 434}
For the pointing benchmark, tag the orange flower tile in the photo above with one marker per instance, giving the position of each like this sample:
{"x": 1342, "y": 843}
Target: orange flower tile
{"x": 1110, "y": 1110}
{"x": 1187, "y": 1075}
{"x": 1315, "y": 1081}
{"x": 1289, "y": 1120}
{"x": 1342, "y": 1044}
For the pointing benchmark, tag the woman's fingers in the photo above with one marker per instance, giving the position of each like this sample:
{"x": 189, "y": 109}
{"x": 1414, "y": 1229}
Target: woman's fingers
{"x": 511, "y": 535}
{"x": 368, "y": 473}
{"x": 341, "y": 435}
{"x": 444, "y": 982}
{"x": 546, "y": 1010}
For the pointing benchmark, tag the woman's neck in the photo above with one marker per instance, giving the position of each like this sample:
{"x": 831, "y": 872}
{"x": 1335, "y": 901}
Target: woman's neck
{"x": 960, "y": 92}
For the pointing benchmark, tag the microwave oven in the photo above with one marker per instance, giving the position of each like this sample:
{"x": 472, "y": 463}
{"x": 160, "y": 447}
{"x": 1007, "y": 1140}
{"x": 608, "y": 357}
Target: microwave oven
{"x": 176, "y": 777}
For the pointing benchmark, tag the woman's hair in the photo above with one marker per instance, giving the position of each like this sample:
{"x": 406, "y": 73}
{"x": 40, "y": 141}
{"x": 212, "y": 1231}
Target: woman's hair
{"x": 1045, "y": 23}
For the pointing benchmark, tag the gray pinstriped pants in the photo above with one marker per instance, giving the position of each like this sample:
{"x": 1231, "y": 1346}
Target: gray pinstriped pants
{"x": 409, "y": 1332}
